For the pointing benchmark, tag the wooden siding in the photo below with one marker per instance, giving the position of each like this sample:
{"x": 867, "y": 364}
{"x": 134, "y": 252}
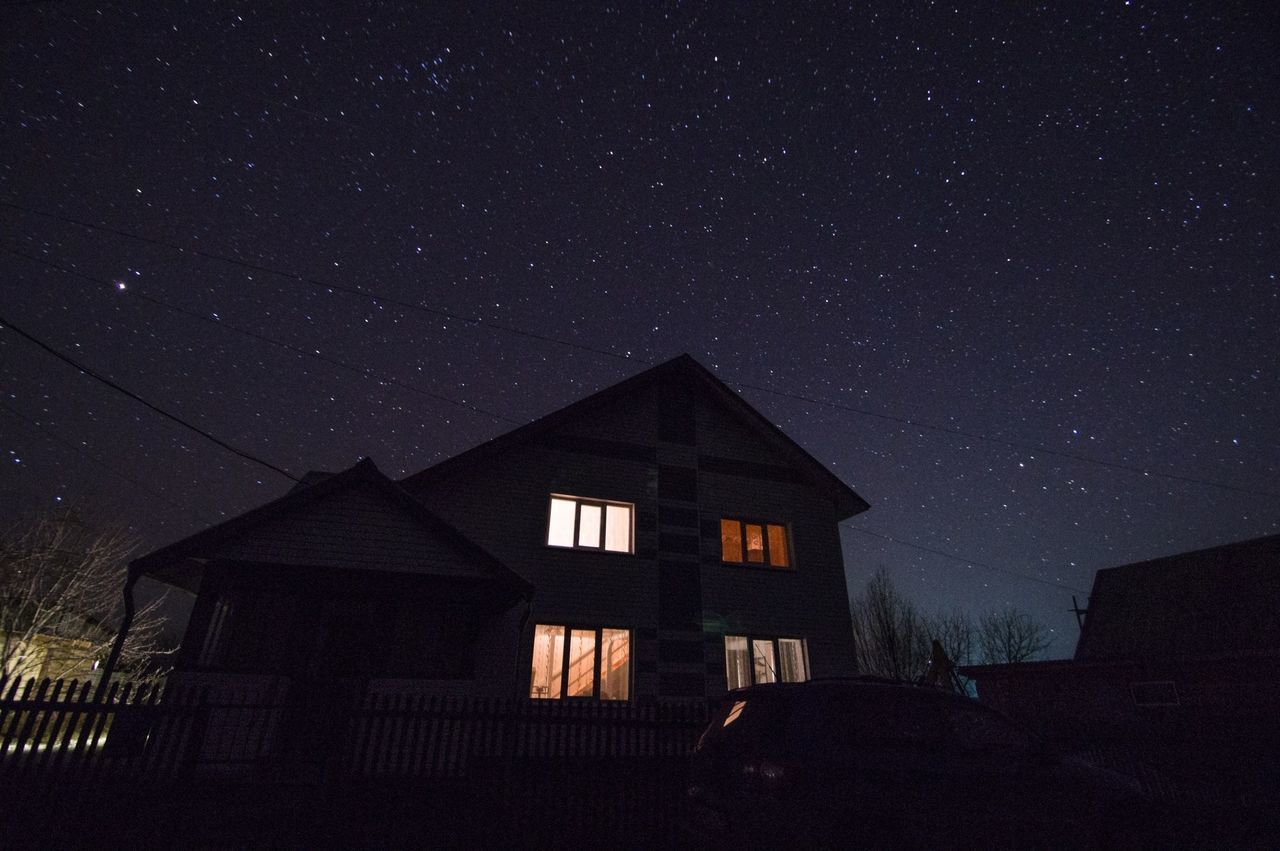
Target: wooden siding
{"x": 356, "y": 528}
{"x": 615, "y": 453}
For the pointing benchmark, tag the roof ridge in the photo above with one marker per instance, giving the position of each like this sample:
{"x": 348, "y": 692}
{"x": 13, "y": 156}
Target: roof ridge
{"x": 363, "y": 471}
{"x": 850, "y": 501}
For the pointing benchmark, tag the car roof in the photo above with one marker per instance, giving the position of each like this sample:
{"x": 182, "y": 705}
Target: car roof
{"x": 841, "y": 685}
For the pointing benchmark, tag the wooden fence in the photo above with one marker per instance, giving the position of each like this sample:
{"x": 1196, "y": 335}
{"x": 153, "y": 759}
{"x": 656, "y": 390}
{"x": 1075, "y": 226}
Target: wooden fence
{"x": 287, "y": 767}
{"x": 52, "y": 728}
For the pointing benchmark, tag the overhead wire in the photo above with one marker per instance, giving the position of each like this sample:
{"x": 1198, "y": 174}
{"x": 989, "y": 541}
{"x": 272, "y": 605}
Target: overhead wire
{"x": 93, "y": 459}
{"x": 906, "y": 421}
{"x": 99, "y": 377}
{"x": 1021, "y": 446}
{"x": 314, "y": 355}
{"x": 324, "y": 285}
{"x": 379, "y": 298}
{"x": 963, "y": 559}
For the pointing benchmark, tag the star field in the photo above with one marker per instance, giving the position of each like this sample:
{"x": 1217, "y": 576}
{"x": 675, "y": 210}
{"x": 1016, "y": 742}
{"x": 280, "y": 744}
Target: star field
{"x": 1052, "y": 226}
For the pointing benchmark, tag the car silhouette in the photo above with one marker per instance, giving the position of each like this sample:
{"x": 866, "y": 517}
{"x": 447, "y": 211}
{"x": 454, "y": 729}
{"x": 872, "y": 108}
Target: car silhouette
{"x": 841, "y": 763}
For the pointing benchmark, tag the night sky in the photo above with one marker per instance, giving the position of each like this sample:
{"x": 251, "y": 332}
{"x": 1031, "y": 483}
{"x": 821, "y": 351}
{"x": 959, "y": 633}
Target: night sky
{"x": 950, "y": 252}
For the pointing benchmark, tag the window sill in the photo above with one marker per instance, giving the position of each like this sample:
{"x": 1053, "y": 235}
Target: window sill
{"x": 591, "y": 550}
{"x": 738, "y": 565}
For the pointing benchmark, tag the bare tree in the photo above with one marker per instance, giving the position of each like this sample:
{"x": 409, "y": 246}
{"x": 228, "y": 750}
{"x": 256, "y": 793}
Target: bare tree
{"x": 894, "y": 639}
{"x": 1010, "y": 636}
{"x": 60, "y": 600}
{"x": 889, "y": 634}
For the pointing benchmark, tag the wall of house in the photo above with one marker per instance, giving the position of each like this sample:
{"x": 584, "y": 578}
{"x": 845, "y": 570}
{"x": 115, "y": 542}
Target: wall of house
{"x": 684, "y": 463}
{"x": 504, "y": 505}
{"x": 325, "y": 624}
{"x": 741, "y": 476}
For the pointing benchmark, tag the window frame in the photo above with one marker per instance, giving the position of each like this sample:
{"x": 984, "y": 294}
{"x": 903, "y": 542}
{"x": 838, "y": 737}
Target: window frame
{"x": 764, "y": 525}
{"x": 775, "y": 643}
{"x": 597, "y": 656}
{"x": 603, "y": 505}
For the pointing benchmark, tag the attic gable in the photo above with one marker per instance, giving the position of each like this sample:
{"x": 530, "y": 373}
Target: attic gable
{"x": 647, "y": 408}
{"x": 354, "y": 528}
{"x": 354, "y": 520}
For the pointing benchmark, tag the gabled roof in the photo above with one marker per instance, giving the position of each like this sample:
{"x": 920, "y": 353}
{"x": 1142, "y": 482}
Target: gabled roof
{"x": 1220, "y": 600}
{"x": 680, "y": 368}
{"x": 174, "y": 564}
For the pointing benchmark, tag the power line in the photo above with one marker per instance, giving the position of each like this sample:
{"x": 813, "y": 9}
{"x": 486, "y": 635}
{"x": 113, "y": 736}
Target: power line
{"x": 366, "y": 294}
{"x": 1013, "y": 444}
{"x": 114, "y": 386}
{"x": 329, "y": 287}
{"x": 57, "y": 438}
{"x": 960, "y": 558}
{"x": 314, "y": 355}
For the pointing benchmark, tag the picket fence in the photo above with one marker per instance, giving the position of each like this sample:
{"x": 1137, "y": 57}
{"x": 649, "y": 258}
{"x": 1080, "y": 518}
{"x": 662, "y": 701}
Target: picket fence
{"x": 70, "y": 731}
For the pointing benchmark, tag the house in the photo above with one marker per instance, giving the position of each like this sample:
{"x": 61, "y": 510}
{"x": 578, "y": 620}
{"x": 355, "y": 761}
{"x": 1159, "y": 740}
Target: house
{"x": 658, "y": 540}
{"x": 1180, "y": 655}
{"x": 51, "y": 654}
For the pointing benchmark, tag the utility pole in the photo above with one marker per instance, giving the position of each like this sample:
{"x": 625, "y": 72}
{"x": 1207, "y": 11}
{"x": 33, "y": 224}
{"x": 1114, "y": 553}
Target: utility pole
{"x": 1078, "y": 612}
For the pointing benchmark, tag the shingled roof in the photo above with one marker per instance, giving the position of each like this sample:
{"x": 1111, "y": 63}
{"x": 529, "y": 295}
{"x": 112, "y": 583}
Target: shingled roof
{"x": 682, "y": 368}
{"x": 356, "y": 519}
{"x": 1221, "y": 600}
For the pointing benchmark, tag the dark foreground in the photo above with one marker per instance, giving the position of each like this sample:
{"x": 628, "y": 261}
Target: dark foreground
{"x": 534, "y": 806}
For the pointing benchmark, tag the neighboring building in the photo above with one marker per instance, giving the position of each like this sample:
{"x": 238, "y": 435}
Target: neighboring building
{"x": 1179, "y": 654}
{"x": 1197, "y": 629}
{"x": 46, "y": 655}
{"x": 658, "y": 540}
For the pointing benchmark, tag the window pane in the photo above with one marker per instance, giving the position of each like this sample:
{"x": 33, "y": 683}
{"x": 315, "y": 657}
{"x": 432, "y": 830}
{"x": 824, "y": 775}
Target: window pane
{"x": 736, "y": 665}
{"x": 755, "y": 544}
{"x": 766, "y": 667}
{"x": 560, "y": 529}
{"x": 617, "y": 528}
{"x": 589, "y": 526}
{"x": 615, "y": 664}
{"x": 582, "y": 663}
{"x": 548, "y": 661}
{"x": 777, "y": 545}
{"x": 791, "y": 653}
{"x": 730, "y": 540}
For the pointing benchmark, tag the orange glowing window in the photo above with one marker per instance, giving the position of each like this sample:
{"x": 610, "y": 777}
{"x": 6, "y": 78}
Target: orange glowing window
{"x": 730, "y": 540}
{"x": 754, "y": 542}
{"x": 592, "y": 663}
{"x": 777, "y": 545}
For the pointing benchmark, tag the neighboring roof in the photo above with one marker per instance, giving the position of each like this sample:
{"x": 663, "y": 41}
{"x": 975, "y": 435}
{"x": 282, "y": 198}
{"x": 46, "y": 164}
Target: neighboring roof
{"x": 174, "y": 563}
{"x": 1220, "y": 600}
{"x": 683, "y": 367}
{"x": 311, "y": 477}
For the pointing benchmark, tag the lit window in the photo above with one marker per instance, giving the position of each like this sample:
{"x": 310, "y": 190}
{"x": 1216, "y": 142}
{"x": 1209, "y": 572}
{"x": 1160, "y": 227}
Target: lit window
{"x": 590, "y": 524}
{"x": 766, "y": 664}
{"x": 548, "y": 662}
{"x": 749, "y": 661}
{"x": 592, "y": 663}
{"x": 751, "y": 542}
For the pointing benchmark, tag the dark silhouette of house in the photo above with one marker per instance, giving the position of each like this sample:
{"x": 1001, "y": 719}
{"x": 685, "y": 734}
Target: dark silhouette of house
{"x": 1180, "y": 655}
{"x": 657, "y": 540}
